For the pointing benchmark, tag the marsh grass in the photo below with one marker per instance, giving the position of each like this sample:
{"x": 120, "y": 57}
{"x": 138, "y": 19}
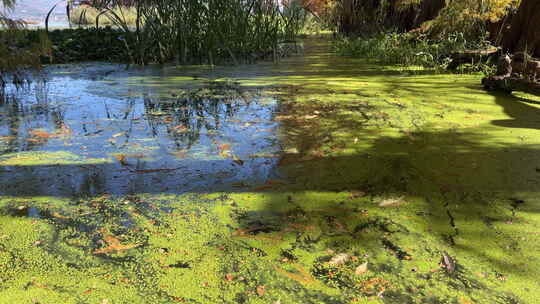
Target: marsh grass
{"x": 17, "y": 58}
{"x": 412, "y": 50}
{"x": 200, "y": 31}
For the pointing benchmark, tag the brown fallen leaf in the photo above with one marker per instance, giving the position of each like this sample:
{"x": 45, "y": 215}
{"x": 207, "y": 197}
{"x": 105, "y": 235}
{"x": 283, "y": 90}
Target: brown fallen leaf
{"x": 39, "y": 285}
{"x": 89, "y": 291}
{"x": 42, "y": 134}
{"x": 229, "y": 277}
{"x": 7, "y": 138}
{"x": 360, "y": 270}
{"x": 122, "y": 159}
{"x": 180, "y": 129}
{"x": 339, "y": 259}
{"x": 180, "y": 153}
{"x": 261, "y": 290}
{"x": 59, "y": 216}
{"x": 224, "y": 148}
{"x": 447, "y": 262}
{"x": 114, "y": 246}
{"x": 392, "y": 202}
{"x": 237, "y": 160}
{"x": 356, "y": 194}
{"x": 303, "y": 277}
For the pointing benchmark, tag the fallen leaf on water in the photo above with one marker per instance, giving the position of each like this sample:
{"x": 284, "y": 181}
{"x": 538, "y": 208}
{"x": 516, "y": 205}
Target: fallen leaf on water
{"x": 224, "y": 147}
{"x": 180, "y": 129}
{"x": 42, "y": 134}
{"x": 339, "y": 259}
{"x": 6, "y": 138}
{"x": 39, "y": 285}
{"x": 180, "y": 154}
{"x": 89, "y": 291}
{"x": 118, "y": 134}
{"x": 302, "y": 277}
{"x": 361, "y": 269}
{"x": 465, "y": 301}
{"x": 237, "y": 160}
{"x": 261, "y": 290}
{"x": 114, "y": 246}
{"x": 59, "y": 216}
{"x": 392, "y": 202}
{"x": 356, "y": 194}
{"x": 122, "y": 159}
{"x": 448, "y": 263}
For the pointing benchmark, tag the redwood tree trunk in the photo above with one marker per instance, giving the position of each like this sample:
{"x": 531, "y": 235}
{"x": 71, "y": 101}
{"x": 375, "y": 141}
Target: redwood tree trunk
{"x": 524, "y": 33}
{"x": 429, "y": 10}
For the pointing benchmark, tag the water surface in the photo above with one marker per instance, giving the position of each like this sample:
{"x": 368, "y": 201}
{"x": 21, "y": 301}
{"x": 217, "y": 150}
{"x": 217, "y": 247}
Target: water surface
{"x": 69, "y": 136}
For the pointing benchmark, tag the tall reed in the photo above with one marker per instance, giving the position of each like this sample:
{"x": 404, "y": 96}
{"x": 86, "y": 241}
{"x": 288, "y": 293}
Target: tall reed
{"x": 205, "y": 31}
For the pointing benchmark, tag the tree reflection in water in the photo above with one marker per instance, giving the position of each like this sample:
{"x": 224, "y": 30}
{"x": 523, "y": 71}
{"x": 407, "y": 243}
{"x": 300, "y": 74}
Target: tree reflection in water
{"x": 205, "y": 132}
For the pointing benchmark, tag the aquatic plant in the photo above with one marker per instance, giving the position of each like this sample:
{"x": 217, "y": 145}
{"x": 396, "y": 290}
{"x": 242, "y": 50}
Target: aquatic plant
{"x": 205, "y": 31}
{"x": 16, "y": 57}
{"x": 411, "y": 49}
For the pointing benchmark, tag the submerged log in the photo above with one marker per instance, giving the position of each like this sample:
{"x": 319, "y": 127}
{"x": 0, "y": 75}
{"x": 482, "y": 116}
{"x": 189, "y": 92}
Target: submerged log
{"x": 471, "y": 56}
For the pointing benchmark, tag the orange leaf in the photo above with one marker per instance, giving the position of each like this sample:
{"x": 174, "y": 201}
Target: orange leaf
{"x": 41, "y": 134}
{"x": 114, "y": 246}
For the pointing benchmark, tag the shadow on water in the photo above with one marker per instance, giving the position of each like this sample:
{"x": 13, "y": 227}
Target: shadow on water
{"x": 521, "y": 111}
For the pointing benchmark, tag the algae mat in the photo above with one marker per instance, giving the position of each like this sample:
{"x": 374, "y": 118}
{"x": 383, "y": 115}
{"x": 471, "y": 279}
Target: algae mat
{"x": 315, "y": 180}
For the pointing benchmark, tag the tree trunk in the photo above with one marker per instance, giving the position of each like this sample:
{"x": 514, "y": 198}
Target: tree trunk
{"x": 429, "y": 10}
{"x": 524, "y": 33}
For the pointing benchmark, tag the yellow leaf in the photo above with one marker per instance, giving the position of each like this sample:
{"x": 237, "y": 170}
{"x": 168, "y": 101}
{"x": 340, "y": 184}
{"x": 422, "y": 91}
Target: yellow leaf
{"x": 361, "y": 269}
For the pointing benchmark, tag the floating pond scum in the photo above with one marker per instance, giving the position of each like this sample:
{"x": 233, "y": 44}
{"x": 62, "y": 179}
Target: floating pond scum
{"x": 315, "y": 180}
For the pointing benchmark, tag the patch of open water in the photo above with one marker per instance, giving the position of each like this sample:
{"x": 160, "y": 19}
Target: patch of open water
{"x": 69, "y": 136}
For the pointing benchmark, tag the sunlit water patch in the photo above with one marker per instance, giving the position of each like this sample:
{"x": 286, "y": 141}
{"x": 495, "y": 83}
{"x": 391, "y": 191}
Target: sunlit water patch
{"x": 71, "y": 137}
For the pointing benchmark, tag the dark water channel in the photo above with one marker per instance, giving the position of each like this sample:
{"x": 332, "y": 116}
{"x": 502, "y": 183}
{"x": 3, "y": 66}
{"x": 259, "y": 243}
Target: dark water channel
{"x": 70, "y": 136}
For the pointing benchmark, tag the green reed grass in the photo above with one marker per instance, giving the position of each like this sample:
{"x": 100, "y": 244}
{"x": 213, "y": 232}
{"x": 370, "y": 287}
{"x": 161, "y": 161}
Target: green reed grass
{"x": 203, "y": 31}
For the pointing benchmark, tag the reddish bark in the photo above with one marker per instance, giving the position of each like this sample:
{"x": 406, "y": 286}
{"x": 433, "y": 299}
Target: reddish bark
{"x": 524, "y": 32}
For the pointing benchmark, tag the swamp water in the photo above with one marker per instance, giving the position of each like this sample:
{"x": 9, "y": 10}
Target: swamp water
{"x": 67, "y": 137}
{"x": 317, "y": 180}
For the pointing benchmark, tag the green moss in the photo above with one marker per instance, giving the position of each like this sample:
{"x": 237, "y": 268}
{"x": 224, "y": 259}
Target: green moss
{"x": 37, "y": 158}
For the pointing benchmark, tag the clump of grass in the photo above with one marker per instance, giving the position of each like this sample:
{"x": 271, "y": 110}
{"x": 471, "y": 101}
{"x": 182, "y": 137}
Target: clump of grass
{"x": 205, "y": 31}
{"x": 412, "y": 49}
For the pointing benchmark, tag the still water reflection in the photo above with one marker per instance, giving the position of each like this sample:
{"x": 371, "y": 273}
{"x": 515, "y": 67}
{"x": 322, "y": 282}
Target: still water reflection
{"x": 58, "y": 137}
